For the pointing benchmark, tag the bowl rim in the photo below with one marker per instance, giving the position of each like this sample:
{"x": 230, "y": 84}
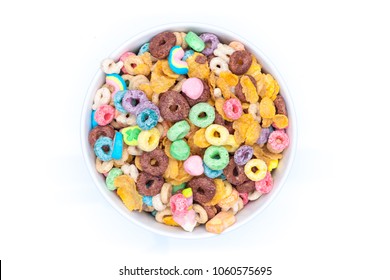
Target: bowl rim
{"x": 271, "y": 69}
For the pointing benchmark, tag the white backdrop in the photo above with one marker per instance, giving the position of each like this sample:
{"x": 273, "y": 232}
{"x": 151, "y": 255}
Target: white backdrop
{"x": 330, "y": 220}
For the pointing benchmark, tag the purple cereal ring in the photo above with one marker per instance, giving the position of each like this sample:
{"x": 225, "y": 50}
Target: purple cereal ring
{"x": 132, "y": 101}
{"x": 243, "y": 154}
{"x": 211, "y": 41}
{"x": 265, "y": 132}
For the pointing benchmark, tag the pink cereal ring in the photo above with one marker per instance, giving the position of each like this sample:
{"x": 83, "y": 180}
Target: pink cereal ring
{"x": 265, "y": 185}
{"x": 244, "y": 197}
{"x": 123, "y": 58}
{"x": 194, "y": 166}
{"x": 278, "y": 141}
{"x": 179, "y": 204}
{"x": 232, "y": 108}
{"x": 193, "y": 88}
{"x": 104, "y": 114}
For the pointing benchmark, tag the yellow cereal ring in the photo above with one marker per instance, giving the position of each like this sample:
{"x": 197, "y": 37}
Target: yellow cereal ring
{"x": 216, "y": 134}
{"x": 255, "y": 169}
{"x": 148, "y": 139}
{"x": 231, "y": 145}
{"x": 200, "y": 138}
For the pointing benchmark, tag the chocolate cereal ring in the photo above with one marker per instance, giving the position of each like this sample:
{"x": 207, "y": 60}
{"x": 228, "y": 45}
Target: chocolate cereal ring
{"x": 238, "y": 89}
{"x": 204, "y": 97}
{"x": 97, "y": 132}
{"x": 280, "y": 105}
{"x": 203, "y": 189}
{"x": 240, "y": 61}
{"x": 246, "y": 187}
{"x": 210, "y": 210}
{"x": 154, "y": 162}
{"x": 234, "y": 173}
{"x": 173, "y": 106}
{"x": 161, "y": 44}
{"x": 219, "y": 120}
{"x": 148, "y": 184}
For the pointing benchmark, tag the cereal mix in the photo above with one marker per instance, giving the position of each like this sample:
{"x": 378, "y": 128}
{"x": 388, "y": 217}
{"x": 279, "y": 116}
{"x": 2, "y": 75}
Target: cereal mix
{"x": 189, "y": 129}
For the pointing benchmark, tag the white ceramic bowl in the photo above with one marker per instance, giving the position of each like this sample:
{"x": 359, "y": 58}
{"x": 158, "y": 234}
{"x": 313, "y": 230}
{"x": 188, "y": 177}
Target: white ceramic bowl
{"x": 146, "y": 220}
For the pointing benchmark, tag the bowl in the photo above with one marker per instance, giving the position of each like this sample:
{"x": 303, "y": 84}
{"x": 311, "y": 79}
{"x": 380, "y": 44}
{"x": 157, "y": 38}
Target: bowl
{"x": 145, "y": 220}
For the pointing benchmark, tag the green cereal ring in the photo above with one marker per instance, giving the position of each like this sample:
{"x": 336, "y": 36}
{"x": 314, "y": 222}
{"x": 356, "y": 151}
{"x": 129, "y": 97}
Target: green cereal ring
{"x": 194, "y": 42}
{"x": 178, "y": 187}
{"x": 216, "y": 157}
{"x": 178, "y": 130}
{"x": 180, "y": 150}
{"x": 199, "y": 109}
{"x": 115, "y": 172}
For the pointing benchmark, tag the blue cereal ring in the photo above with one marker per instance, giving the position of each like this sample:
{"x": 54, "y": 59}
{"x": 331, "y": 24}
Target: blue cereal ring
{"x": 100, "y": 152}
{"x": 187, "y": 54}
{"x": 211, "y": 173}
{"x": 118, "y": 146}
{"x": 118, "y": 101}
{"x": 147, "y": 200}
{"x": 147, "y": 119}
{"x": 93, "y": 121}
{"x": 143, "y": 49}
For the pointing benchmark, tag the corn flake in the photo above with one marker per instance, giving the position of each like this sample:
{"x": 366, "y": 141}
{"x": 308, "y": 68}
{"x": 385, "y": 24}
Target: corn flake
{"x": 246, "y": 129}
{"x": 127, "y": 191}
{"x": 195, "y": 69}
{"x": 267, "y": 108}
{"x": 200, "y": 139}
{"x": 280, "y": 121}
{"x": 249, "y": 89}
